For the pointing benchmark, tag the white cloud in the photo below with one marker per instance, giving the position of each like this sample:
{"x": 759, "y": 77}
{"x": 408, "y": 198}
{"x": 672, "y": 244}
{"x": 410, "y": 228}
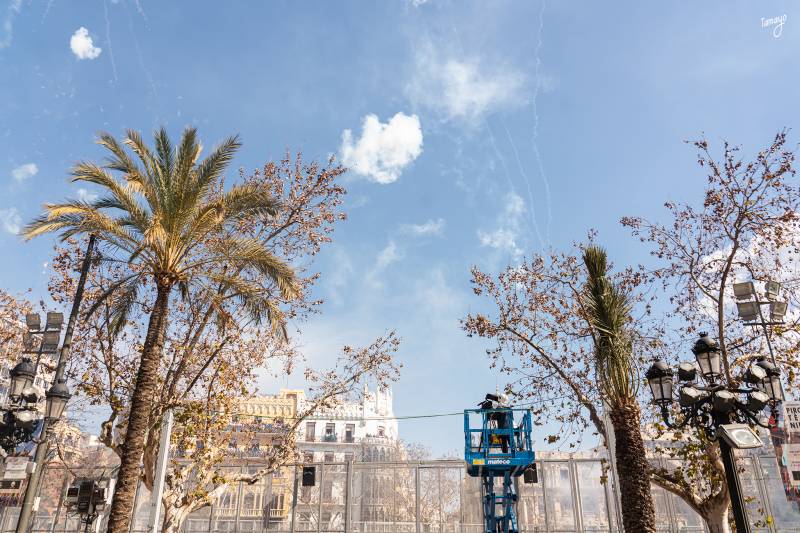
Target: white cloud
{"x": 462, "y": 88}
{"x": 506, "y": 236}
{"x": 86, "y": 196}
{"x": 383, "y": 150}
{"x": 10, "y": 220}
{"x": 430, "y": 227}
{"x": 23, "y": 172}
{"x": 82, "y": 46}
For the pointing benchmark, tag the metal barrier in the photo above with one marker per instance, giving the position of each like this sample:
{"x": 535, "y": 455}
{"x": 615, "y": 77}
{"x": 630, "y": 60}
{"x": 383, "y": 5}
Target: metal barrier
{"x": 423, "y": 497}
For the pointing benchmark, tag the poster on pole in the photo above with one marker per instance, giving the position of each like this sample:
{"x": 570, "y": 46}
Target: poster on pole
{"x": 786, "y": 439}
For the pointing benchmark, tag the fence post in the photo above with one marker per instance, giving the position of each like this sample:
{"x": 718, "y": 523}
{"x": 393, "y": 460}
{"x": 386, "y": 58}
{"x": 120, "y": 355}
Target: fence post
{"x": 320, "y": 492}
{"x": 294, "y": 500}
{"x": 60, "y": 500}
{"x": 348, "y": 491}
{"x": 416, "y": 498}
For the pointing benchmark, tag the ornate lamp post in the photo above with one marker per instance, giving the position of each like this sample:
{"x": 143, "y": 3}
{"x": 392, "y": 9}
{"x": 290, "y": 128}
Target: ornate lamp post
{"x": 20, "y": 416}
{"x": 723, "y": 412}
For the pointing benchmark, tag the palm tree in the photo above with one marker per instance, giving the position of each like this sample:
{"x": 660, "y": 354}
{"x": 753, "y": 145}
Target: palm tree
{"x": 608, "y": 312}
{"x": 169, "y": 215}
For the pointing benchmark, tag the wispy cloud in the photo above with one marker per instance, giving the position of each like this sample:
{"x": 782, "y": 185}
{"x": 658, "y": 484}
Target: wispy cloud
{"x": 388, "y": 255}
{"x": 10, "y": 220}
{"x": 460, "y": 87}
{"x": 82, "y": 45}
{"x": 429, "y": 227}
{"x": 12, "y": 10}
{"x": 339, "y": 276}
{"x": 383, "y": 150}
{"x": 86, "y": 196}
{"x": 505, "y": 237}
{"x": 24, "y": 172}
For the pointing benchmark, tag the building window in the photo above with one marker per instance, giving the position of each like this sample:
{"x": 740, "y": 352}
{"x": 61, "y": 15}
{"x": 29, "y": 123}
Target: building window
{"x": 348, "y": 458}
{"x": 381, "y": 431}
{"x": 310, "y": 430}
{"x": 330, "y": 432}
{"x": 329, "y": 457}
{"x": 308, "y": 457}
{"x": 350, "y": 433}
{"x": 327, "y": 492}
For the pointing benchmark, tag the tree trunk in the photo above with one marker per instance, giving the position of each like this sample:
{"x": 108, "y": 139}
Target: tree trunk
{"x": 174, "y": 517}
{"x": 638, "y": 512}
{"x": 717, "y": 519}
{"x": 139, "y": 416}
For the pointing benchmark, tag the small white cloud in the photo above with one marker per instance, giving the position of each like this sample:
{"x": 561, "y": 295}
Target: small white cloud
{"x": 430, "y": 227}
{"x": 23, "y": 172}
{"x": 505, "y": 237}
{"x": 383, "y": 150}
{"x": 86, "y": 196}
{"x": 462, "y": 88}
{"x": 10, "y": 220}
{"x": 82, "y": 46}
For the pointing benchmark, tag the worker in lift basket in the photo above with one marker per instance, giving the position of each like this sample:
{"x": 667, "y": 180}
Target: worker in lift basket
{"x": 501, "y": 419}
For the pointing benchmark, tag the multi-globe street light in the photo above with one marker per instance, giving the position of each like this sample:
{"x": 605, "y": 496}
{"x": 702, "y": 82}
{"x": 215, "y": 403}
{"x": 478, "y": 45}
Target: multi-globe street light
{"x": 724, "y": 412}
{"x": 727, "y": 412}
{"x": 21, "y": 415}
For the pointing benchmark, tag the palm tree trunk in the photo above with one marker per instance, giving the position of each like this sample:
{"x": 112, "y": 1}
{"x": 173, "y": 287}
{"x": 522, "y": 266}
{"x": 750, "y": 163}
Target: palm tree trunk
{"x": 139, "y": 415}
{"x": 638, "y": 513}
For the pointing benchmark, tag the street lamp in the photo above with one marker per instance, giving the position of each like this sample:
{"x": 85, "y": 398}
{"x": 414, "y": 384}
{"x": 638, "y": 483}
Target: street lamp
{"x": 22, "y": 376}
{"x": 57, "y": 398}
{"x": 723, "y": 413}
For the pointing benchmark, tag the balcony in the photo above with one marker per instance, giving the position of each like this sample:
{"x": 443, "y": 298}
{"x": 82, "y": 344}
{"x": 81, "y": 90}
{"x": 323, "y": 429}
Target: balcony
{"x": 329, "y": 437}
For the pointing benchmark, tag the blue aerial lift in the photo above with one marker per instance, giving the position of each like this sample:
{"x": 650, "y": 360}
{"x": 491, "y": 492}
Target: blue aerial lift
{"x": 498, "y": 446}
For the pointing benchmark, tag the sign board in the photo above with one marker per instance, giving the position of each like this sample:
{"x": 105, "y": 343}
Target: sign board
{"x": 791, "y": 417}
{"x": 791, "y": 457}
{"x": 16, "y": 468}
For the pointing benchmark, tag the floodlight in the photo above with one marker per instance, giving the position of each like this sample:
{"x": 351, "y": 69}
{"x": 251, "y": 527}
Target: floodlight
{"x": 772, "y": 290}
{"x": 748, "y": 311}
{"x": 26, "y": 419}
{"x": 724, "y": 401}
{"x": 50, "y": 341}
{"x": 755, "y": 375}
{"x": 777, "y": 310}
{"x": 687, "y": 372}
{"x": 54, "y": 320}
{"x": 756, "y": 401}
{"x": 740, "y": 436}
{"x": 689, "y": 396}
{"x": 33, "y": 321}
{"x": 659, "y": 376}
{"x": 744, "y": 290}
{"x": 30, "y": 394}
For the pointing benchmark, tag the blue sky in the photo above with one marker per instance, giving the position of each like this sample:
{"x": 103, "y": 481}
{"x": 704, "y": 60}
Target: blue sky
{"x": 478, "y": 132}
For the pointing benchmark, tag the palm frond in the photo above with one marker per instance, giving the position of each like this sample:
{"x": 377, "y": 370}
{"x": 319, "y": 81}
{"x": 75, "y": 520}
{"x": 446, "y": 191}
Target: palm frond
{"x": 249, "y": 253}
{"x": 608, "y": 311}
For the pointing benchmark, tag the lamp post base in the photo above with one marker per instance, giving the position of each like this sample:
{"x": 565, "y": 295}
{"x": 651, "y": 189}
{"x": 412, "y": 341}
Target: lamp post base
{"x": 734, "y": 488}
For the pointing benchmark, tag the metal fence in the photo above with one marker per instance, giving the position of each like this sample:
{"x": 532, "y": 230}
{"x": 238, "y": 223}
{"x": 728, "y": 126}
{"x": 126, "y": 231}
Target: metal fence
{"x": 423, "y": 497}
